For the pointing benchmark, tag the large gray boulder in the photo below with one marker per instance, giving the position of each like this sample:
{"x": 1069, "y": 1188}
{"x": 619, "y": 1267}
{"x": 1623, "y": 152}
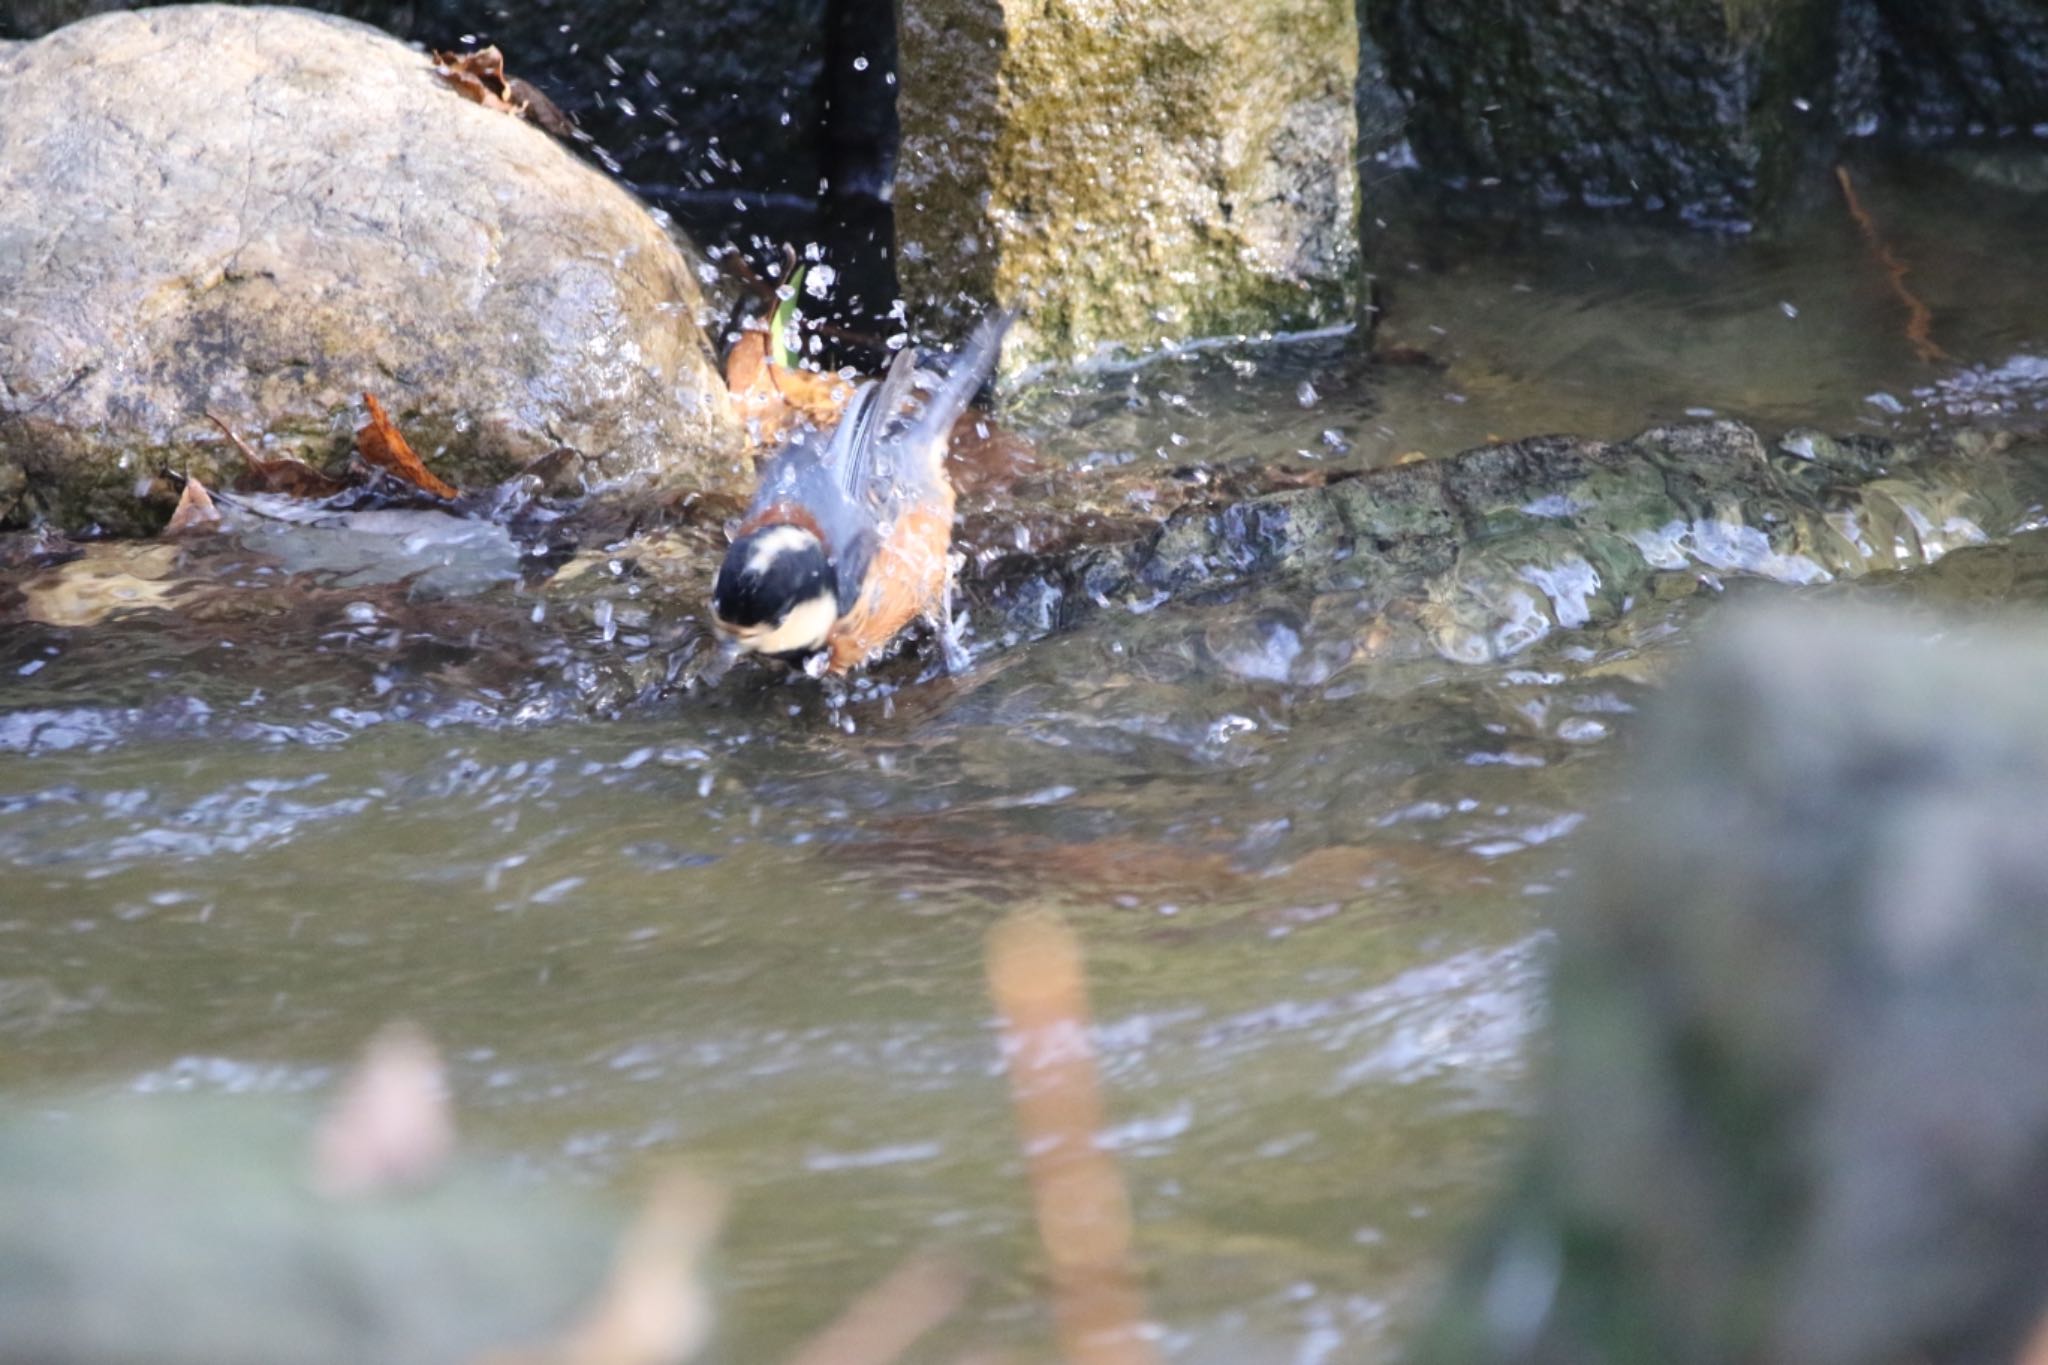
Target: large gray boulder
{"x": 264, "y": 212}
{"x": 1795, "y": 1108}
{"x": 1132, "y": 172}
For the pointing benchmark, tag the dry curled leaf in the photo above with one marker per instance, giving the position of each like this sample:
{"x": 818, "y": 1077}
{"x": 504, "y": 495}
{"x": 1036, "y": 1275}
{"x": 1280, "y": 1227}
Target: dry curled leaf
{"x": 481, "y": 78}
{"x": 771, "y": 398}
{"x": 382, "y": 446}
{"x": 472, "y": 74}
{"x": 196, "y": 514}
{"x": 392, "y": 1125}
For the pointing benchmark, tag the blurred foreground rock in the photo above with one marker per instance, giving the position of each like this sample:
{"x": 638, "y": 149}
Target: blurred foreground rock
{"x": 1130, "y": 172}
{"x": 265, "y": 212}
{"x": 215, "y": 1230}
{"x": 1795, "y": 1108}
{"x": 182, "y": 1230}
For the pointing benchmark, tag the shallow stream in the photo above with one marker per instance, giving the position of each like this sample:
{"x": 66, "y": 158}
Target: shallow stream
{"x": 280, "y": 795}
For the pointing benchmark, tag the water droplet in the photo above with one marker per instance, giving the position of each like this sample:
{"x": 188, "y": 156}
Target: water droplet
{"x": 860, "y": 63}
{"x": 1788, "y": 308}
{"x": 1306, "y": 394}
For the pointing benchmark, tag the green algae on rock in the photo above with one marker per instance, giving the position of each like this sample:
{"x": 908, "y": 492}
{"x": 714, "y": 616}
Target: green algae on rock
{"x": 1129, "y": 172}
{"x": 264, "y": 212}
{"x": 1487, "y": 552}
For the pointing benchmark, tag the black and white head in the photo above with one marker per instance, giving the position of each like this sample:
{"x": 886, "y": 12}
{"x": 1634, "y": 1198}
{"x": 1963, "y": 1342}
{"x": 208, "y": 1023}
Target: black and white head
{"x": 776, "y": 593}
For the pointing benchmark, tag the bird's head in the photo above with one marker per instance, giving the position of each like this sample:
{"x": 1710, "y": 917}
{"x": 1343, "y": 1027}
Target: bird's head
{"x": 776, "y": 593}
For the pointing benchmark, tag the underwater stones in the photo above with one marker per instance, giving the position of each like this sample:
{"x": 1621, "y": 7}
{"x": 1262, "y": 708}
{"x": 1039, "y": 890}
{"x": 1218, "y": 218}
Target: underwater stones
{"x": 1794, "y": 1109}
{"x": 1493, "y": 549}
{"x": 264, "y": 212}
{"x": 1664, "y": 106}
{"x": 1130, "y": 171}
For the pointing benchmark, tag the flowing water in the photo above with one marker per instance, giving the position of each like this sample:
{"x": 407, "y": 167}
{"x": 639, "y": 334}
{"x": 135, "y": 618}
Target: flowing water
{"x": 257, "y": 798}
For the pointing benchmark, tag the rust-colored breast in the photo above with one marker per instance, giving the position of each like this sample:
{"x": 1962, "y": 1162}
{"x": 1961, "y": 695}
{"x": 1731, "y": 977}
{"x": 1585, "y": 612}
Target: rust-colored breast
{"x": 906, "y": 579}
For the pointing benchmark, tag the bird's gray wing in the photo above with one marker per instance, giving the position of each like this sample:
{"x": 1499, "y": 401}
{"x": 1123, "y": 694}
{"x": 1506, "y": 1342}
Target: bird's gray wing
{"x": 864, "y": 428}
{"x": 850, "y": 564}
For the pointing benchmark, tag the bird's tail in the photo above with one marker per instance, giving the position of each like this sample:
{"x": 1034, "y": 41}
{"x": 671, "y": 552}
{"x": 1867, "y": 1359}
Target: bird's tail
{"x": 930, "y": 428}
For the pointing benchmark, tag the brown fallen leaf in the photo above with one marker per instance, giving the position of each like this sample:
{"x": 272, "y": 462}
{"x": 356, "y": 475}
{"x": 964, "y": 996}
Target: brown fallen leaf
{"x": 480, "y": 77}
{"x": 382, "y": 446}
{"x": 291, "y": 477}
{"x": 195, "y": 513}
{"x": 746, "y": 361}
{"x": 538, "y": 109}
{"x": 392, "y": 1125}
{"x": 472, "y": 74}
{"x": 771, "y": 398}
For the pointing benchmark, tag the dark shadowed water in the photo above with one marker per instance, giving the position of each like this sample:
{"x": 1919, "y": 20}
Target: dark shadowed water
{"x": 256, "y": 798}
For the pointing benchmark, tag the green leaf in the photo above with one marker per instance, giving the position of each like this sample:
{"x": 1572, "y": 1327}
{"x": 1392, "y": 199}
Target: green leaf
{"x": 782, "y": 327}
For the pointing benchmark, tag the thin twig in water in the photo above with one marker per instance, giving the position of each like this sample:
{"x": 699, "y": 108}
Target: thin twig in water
{"x": 1919, "y": 319}
{"x": 1084, "y": 1212}
{"x": 229, "y": 432}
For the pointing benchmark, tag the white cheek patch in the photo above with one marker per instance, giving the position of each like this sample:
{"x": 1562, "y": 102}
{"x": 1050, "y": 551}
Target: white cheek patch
{"x": 775, "y": 542}
{"x": 801, "y": 631}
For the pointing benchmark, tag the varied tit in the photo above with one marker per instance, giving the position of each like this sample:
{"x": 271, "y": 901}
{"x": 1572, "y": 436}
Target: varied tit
{"x": 849, "y": 537}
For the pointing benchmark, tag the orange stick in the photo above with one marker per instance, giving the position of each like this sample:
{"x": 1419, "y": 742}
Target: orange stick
{"x": 1084, "y": 1214}
{"x": 1919, "y": 320}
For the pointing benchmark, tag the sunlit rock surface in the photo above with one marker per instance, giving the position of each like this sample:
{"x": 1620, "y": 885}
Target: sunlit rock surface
{"x": 1131, "y": 172}
{"x": 1794, "y": 1107}
{"x": 697, "y": 103}
{"x": 262, "y": 213}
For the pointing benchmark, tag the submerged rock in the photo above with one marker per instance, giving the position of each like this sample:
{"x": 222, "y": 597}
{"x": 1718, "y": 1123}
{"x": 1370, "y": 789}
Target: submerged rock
{"x": 264, "y": 212}
{"x": 1664, "y": 105}
{"x": 1795, "y": 1110}
{"x": 1486, "y": 552}
{"x": 1130, "y": 172}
